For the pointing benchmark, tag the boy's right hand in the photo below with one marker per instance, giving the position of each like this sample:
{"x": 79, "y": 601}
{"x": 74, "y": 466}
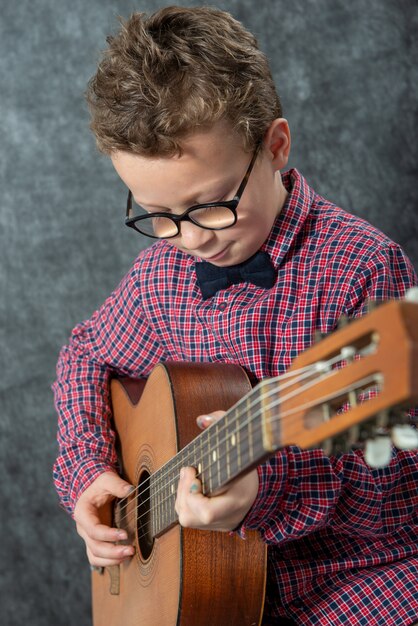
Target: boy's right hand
{"x": 100, "y": 539}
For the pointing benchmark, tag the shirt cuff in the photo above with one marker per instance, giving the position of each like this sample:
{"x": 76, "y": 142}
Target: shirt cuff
{"x": 272, "y": 478}
{"x": 84, "y": 475}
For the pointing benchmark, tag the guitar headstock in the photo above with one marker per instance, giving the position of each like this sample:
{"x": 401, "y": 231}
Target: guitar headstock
{"x": 355, "y": 384}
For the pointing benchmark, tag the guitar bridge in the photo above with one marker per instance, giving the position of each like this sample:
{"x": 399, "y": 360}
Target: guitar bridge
{"x": 114, "y": 573}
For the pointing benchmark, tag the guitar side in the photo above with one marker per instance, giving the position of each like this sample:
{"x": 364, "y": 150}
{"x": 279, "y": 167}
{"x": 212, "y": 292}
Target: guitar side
{"x": 185, "y": 577}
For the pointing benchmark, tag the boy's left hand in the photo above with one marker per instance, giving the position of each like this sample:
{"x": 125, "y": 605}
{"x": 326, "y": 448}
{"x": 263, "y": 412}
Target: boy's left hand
{"x": 224, "y": 511}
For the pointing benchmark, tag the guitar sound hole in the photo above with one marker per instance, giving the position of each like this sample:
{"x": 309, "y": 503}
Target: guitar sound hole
{"x": 143, "y": 521}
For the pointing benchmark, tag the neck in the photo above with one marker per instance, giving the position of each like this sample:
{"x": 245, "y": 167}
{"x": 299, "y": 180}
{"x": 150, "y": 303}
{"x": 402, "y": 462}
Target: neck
{"x": 283, "y": 194}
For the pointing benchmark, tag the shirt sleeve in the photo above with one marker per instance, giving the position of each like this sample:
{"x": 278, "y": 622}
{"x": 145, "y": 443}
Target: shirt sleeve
{"x": 386, "y": 274}
{"x": 303, "y": 491}
{"x": 116, "y": 341}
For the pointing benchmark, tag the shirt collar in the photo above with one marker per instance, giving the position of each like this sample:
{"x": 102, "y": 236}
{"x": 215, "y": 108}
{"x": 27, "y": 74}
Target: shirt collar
{"x": 292, "y": 217}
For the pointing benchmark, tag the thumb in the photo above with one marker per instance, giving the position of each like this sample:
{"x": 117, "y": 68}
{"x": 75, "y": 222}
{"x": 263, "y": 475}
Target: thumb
{"x": 105, "y": 488}
{"x": 114, "y": 485}
{"x": 203, "y": 421}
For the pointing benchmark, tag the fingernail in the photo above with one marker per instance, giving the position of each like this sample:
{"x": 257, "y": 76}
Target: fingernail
{"x": 122, "y": 534}
{"x": 128, "y": 551}
{"x": 203, "y": 420}
{"x": 130, "y": 489}
{"x": 194, "y": 488}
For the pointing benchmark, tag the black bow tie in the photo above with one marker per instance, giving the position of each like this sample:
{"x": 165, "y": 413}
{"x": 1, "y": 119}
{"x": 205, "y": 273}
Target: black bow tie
{"x": 258, "y": 270}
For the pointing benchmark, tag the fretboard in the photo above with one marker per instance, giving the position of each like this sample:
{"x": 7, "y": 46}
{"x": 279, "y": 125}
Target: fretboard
{"x": 226, "y": 449}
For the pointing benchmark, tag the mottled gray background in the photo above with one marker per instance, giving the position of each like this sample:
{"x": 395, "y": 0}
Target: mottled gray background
{"x": 347, "y": 72}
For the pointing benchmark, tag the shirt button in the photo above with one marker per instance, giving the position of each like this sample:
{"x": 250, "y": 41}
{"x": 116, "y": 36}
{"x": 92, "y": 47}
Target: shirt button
{"x": 222, "y": 306}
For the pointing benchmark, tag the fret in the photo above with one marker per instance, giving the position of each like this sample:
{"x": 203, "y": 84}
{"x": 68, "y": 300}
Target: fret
{"x": 250, "y": 432}
{"x": 153, "y": 504}
{"x": 157, "y": 504}
{"x": 164, "y": 496}
{"x": 244, "y": 425}
{"x": 238, "y": 447}
{"x": 172, "y": 482}
{"x": 233, "y": 445}
{"x": 161, "y": 503}
{"x": 194, "y": 456}
{"x": 152, "y": 512}
{"x": 189, "y": 456}
{"x": 158, "y": 508}
{"x": 242, "y": 433}
{"x": 227, "y": 447}
{"x": 209, "y": 465}
{"x": 216, "y": 458}
{"x": 169, "y": 488}
{"x": 159, "y": 516}
{"x": 222, "y": 451}
{"x": 172, "y": 494}
{"x": 257, "y": 441}
{"x": 172, "y": 501}
{"x": 201, "y": 467}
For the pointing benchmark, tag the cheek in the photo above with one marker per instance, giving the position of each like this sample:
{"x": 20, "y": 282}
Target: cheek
{"x": 251, "y": 222}
{"x": 175, "y": 242}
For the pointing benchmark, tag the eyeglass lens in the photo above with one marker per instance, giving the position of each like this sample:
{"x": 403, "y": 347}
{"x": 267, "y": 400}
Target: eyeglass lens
{"x": 214, "y": 217}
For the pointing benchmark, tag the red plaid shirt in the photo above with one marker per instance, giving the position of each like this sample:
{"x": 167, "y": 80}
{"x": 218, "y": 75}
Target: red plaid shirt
{"x": 342, "y": 536}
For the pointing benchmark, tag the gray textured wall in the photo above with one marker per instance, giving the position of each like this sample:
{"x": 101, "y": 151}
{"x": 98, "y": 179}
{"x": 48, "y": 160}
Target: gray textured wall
{"x": 348, "y": 78}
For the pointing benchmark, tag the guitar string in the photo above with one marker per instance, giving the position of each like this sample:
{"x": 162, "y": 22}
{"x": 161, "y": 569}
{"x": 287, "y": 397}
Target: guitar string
{"x": 295, "y": 378}
{"x": 223, "y": 427}
{"x": 298, "y": 375}
{"x": 243, "y": 424}
{"x": 365, "y": 381}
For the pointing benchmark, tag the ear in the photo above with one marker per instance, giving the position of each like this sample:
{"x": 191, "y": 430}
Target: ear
{"x": 277, "y": 143}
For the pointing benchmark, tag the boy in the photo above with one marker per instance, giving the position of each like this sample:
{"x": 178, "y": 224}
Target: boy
{"x": 184, "y": 104}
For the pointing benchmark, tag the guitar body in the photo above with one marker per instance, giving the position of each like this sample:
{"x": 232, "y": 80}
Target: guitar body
{"x": 183, "y": 577}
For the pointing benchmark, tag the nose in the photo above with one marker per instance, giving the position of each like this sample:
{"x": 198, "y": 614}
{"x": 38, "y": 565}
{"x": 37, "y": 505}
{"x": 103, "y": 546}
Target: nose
{"x": 194, "y": 237}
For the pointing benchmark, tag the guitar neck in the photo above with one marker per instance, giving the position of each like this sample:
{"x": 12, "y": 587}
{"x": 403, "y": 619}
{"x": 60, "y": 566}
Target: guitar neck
{"x": 369, "y": 366}
{"x": 228, "y": 448}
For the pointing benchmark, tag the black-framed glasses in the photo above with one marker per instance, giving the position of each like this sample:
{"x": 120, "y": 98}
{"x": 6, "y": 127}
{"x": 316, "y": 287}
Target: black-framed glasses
{"x": 211, "y": 215}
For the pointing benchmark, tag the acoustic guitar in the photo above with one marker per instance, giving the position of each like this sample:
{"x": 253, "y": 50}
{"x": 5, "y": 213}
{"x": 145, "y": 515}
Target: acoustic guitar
{"x": 185, "y": 577}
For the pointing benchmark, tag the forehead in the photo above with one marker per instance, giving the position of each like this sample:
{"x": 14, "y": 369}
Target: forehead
{"x": 209, "y": 160}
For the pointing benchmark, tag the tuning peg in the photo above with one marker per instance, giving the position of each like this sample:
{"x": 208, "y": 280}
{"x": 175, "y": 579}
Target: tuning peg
{"x": 405, "y": 437}
{"x": 342, "y": 443}
{"x": 378, "y": 451}
{"x": 319, "y": 336}
{"x": 397, "y": 415}
{"x": 343, "y": 321}
{"x": 412, "y": 295}
{"x": 371, "y": 305}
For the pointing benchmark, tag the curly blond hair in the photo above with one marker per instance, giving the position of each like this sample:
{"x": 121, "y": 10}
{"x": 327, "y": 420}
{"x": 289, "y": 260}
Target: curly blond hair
{"x": 177, "y": 71}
